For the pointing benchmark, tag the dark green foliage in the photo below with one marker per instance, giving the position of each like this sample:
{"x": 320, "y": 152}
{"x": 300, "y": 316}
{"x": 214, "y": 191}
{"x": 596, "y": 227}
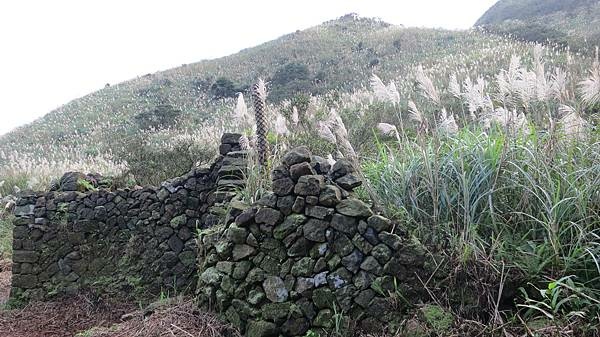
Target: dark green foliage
{"x": 291, "y": 79}
{"x": 150, "y": 165}
{"x": 161, "y": 117}
{"x": 223, "y": 88}
{"x": 301, "y": 102}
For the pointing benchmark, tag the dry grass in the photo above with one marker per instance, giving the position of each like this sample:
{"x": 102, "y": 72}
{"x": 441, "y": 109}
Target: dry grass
{"x": 61, "y": 318}
{"x": 175, "y": 317}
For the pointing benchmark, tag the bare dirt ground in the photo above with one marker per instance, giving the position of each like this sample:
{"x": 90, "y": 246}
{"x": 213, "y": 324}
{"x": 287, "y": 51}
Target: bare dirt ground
{"x": 87, "y": 315}
{"x": 60, "y": 318}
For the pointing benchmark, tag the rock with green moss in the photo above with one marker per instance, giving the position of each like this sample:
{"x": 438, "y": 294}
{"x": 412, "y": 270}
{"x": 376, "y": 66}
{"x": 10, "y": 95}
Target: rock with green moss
{"x": 262, "y": 329}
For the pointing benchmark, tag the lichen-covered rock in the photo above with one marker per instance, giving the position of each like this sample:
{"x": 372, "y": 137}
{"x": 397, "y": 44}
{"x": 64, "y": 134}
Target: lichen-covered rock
{"x": 275, "y": 289}
{"x": 262, "y": 329}
{"x": 288, "y": 226}
{"x": 354, "y": 208}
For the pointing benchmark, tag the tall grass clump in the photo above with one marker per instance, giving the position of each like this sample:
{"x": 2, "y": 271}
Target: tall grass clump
{"x": 515, "y": 202}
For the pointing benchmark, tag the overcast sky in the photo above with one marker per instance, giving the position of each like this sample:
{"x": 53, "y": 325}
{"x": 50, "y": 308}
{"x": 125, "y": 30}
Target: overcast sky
{"x": 53, "y": 51}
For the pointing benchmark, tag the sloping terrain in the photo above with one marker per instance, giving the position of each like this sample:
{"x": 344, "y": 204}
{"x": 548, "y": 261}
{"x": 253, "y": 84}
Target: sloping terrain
{"x": 566, "y": 22}
{"x": 337, "y": 55}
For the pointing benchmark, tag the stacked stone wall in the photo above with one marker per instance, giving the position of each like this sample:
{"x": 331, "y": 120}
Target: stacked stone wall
{"x": 307, "y": 256}
{"x": 140, "y": 240}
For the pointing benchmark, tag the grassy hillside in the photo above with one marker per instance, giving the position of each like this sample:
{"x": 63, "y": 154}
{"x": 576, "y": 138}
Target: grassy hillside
{"x": 567, "y": 22}
{"x": 98, "y": 131}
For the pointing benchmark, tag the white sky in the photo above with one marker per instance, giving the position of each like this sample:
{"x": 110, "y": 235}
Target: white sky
{"x": 53, "y": 51}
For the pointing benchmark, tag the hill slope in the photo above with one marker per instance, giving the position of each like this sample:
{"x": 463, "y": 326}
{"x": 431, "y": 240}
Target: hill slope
{"x": 179, "y": 113}
{"x": 568, "y": 22}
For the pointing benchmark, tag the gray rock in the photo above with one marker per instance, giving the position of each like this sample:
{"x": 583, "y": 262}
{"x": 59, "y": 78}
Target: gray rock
{"x": 269, "y": 199}
{"x": 242, "y": 251}
{"x": 25, "y": 256}
{"x": 280, "y": 172}
{"x": 330, "y": 196}
{"x": 304, "y": 284}
{"x": 237, "y": 234}
{"x": 344, "y": 224}
{"x": 342, "y": 245}
{"x": 296, "y": 156}
{"x": 285, "y": 204}
{"x": 314, "y": 230}
{"x": 225, "y": 267}
{"x": 24, "y": 210}
{"x": 354, "y": 208}
{"x": 320, "y": 279}
{"x": 241, "y": 269}
{"x": 318, "y": 212}
{"x": 311, "y": 200}
{"x": 353, "y": 261}
{"x": 339, "y": 278}
{"x": 268, "y": 216}
{"x": 364, "y": 298}
{"x": 301, "y": 169}
{"x": 321, "y": 165}
{"x": 349, "y": 182}
{"x": 275, "y": 289}
{"x": 298, "y": 206}
{"x": 379, "y": 223}
{"x": 175, "y": 244}
{"x": 341, "y": 168}
{"x": 178, "y": 221}
{"x": 371, "y": 236}
{"x": 323, "y": 298}
{"x": 231, "y": 138}
{"x": 245, "y": 217}
{"x": 363, "y": 280}
{"x": 283, "y": 186}
{"x": 362, "y": 244}
{"x": 295, "y": 327}
{"x": 299, "y": 248}
{"x": 288, "y": 226}
{"x": 309, "y": 185}
{"x": 371, "y": 265}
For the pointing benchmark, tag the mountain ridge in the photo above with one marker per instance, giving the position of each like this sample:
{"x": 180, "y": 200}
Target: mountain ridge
{"x": 574, "y": 23}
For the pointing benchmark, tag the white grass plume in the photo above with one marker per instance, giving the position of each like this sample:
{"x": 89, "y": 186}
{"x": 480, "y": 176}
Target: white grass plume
{"x": 427, "y": 87}
{"x": 573, "y": 126}
{"x": 590, "y": 88}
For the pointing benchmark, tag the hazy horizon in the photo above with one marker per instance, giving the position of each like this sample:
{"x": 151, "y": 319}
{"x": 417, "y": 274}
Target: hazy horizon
{"x": 64, "y": 50}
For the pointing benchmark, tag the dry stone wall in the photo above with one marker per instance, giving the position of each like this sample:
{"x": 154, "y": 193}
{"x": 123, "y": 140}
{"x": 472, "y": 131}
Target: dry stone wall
{"x": 308, "y": 255}
{"x": 130, "y": 240}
